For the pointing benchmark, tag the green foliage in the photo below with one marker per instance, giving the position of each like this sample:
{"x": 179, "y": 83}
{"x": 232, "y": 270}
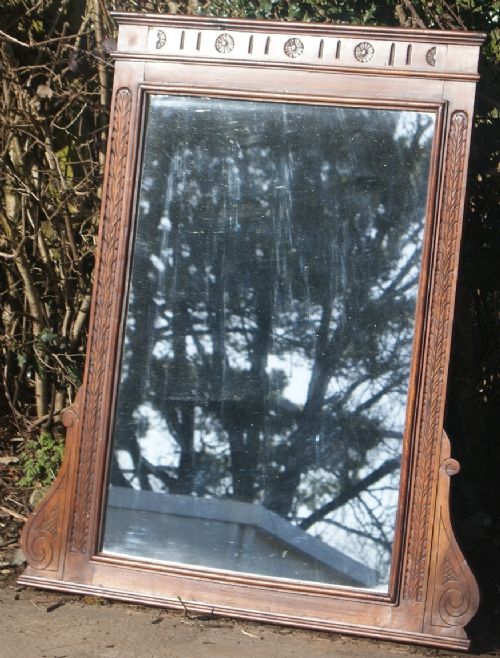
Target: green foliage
{"x": 41, "y": 460}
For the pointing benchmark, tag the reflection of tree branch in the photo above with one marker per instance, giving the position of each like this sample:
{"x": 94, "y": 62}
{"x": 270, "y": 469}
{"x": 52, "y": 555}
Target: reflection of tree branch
{"x": 350, "y": 492}
{"x": 205, "y": 362}
{"x": 174, "y": 485}
{"x": 361, "y": 533}
{"x": 391, "y": 434}
{"x": 376, "y": 397}
{"x": 339, "y": 400}
{"x": 376, "y": 522}
{"x": 412, "y": 261}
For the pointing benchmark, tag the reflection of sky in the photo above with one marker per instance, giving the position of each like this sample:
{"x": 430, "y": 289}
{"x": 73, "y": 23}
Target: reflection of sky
{"x": 266, "y": 188}
{"x": 410, "y": 123}
{"x": 298, "y": 375}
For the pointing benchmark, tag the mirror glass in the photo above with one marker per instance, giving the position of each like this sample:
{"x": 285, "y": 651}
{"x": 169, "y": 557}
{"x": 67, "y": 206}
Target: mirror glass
{"x": 266, "y": 359}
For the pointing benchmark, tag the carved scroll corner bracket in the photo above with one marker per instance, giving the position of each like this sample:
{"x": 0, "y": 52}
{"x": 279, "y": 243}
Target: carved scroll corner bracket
{"x": 42, "y": 534}
{"x": 454, "y": 594}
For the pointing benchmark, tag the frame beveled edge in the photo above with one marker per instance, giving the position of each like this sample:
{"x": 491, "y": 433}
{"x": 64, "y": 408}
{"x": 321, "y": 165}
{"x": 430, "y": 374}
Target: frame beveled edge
{"x": 419, "y": 597}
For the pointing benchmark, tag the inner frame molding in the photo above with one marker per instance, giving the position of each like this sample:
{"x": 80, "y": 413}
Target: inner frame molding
{"x": 430, "y": 594}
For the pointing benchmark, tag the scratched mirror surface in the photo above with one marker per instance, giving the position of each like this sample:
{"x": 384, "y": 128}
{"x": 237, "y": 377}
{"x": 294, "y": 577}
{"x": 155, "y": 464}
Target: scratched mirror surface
{"x": 268, "y": 336}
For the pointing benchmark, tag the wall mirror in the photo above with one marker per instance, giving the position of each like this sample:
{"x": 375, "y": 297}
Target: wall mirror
{"x": 268, "y": 337}
{"x": 260, "y": 429}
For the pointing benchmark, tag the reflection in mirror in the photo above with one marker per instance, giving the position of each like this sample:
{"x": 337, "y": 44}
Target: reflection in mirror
{"x": 262, "y": 396}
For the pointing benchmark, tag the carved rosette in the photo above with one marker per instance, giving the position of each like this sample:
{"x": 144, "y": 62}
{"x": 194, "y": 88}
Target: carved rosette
{"x": 455, "y": 597}
{"x": 42, "y": 534}
{"x": 293, "y": 48}
{"x": 104, "y": 301}
{"x": 161, "y": 39}
{"x": 364, "y": 52}
{"x": 433, "y": 396}
{"x": 224, "y": 43}
{"x": 431, "y": 57}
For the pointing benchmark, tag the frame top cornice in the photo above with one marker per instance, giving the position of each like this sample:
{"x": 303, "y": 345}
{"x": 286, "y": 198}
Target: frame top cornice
{"x": 345, "y": 48}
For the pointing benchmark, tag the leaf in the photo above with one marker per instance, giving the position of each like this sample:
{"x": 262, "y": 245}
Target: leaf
{"x": 73, "y": 62}
{"x": 44, "y": 91}
{"x": 8, "y": 459}
{"x": 48, "y": 337}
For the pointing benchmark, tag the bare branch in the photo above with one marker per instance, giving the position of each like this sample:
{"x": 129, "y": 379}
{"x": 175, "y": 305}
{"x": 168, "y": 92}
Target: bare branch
{"x": 350, "y": 492}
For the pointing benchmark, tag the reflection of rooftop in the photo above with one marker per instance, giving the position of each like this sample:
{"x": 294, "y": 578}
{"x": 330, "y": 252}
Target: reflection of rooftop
{"x": 223, "y": 534}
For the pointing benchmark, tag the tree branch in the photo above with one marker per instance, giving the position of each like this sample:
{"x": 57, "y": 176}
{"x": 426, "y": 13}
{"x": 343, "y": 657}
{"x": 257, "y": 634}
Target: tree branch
{"x": 350, "y": 492}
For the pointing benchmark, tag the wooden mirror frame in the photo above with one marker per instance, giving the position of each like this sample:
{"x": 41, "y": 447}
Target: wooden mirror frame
{"x": 432, "y": 593}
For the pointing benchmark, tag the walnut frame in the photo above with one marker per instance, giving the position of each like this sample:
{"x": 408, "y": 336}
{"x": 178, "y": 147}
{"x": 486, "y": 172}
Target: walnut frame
{"x": 432, "y": 593}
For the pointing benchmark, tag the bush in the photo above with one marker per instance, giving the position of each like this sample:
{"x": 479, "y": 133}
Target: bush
{"x": 41, "y": 460}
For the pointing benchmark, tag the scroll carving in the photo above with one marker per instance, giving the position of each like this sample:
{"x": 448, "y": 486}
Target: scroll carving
{"x": 104, "y": 299}
{"x": 455, "y": 597}
{"x": 42, "y": 535}
{"x": 433, "y": 395}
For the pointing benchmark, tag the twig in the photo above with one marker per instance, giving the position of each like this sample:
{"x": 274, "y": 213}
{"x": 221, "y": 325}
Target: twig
{"x": 418, "y": 21}
{"x": 16, "y": 253}
{"x": 8, "y": 37}
{"x": 10, "y": 512}
{"x": 249, "y": 634}
{"x": 55, "y": 605}
{"x": 186, "y": 611}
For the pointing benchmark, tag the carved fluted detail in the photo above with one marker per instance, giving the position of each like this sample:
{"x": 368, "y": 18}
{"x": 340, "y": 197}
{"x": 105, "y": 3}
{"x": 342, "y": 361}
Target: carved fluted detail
{"x": 104, "y": 301}
{"x": 435, "y": 369}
